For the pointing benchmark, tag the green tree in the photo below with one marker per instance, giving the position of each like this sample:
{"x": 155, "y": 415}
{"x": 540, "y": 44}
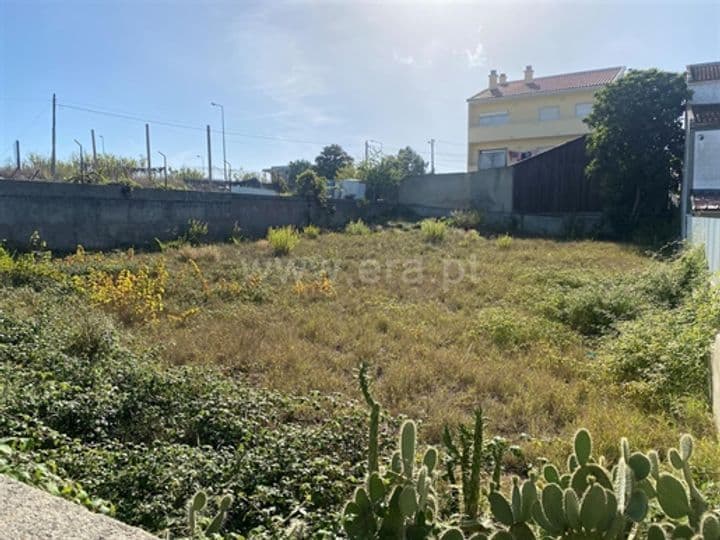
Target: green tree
{"x": 636, "y": 148}
{"x": 383, "y": 178}
{"x": 349, "y": 171}
{"x": 295, "y": 168}
{"x": 311, "y": 186}
{"x": 330, "y": 160}
{"x": 410, "y": 162}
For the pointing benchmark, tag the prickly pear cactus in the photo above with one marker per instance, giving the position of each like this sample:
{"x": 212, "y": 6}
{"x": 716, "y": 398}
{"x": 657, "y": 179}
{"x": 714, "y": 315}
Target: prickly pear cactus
{"x": 196, "y": 505}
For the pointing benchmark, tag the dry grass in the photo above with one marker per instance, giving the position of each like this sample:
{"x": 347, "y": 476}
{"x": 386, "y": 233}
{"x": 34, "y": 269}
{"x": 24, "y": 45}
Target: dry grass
{"x": 433, "y": 354}
{"x": 206, "y": 254}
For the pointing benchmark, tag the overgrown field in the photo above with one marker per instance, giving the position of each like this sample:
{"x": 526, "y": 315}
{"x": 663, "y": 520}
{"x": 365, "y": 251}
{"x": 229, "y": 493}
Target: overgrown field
{"x": 145, "y": 376}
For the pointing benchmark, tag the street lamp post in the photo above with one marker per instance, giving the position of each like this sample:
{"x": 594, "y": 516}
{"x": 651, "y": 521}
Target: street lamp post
{"x": 222, "y": 120}
{"x": 164, "y": 166}
{"x": 202, "y": 161}
{"x": 82, "y": 173}
{"x": 229, "y": 168}
{"x": 102, "y": 143}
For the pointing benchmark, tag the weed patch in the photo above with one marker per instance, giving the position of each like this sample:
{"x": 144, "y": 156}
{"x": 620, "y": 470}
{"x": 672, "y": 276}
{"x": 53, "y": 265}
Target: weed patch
{"x": 283, "y": 240}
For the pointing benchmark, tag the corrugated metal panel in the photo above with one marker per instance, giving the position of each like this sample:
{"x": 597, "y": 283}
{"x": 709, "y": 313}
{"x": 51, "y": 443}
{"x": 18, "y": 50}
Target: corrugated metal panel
{"x": 706, "y": 231}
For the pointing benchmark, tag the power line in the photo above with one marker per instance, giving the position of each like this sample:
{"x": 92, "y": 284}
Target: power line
{"x": 180, "y": 125}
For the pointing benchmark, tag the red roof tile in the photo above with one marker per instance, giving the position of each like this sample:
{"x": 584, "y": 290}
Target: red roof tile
{"x": 709, "y": 71}
{"x": 553, "y": 83}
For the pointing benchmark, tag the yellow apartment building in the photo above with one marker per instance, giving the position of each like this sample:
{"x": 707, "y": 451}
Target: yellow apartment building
{"x": 513, "y": 120}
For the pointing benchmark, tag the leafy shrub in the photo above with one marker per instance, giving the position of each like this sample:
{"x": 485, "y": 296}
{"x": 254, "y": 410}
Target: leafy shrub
{"x": 465, "y": 219}
{"x": 433, "y": 230}
{"x": 504, "y": 241}
{"x": 311, "y": 231}
{"x": 513, "y": 330}
{"x": 663, "y": 355}
{"x": 16, "y": 462}
{"x": 669, "y": 284}
{"x": 196, "y": 232}
{"x": 283, "y": 239}
{"x": 132, "y": 296}
{"x": 32, "y": 269}
{"x": 593, "y": 308}
{"x": 146, "y": 437}
{"x": 357, "y": 228}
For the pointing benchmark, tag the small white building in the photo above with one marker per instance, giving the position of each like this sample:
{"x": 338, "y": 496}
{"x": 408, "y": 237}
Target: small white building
{"x": 701, "y": 178}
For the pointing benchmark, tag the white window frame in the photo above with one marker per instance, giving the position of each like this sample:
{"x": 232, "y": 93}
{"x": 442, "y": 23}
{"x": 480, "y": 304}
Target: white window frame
{"x": 549, "y": 118}
{"x": 587, "y": 106}
{"x": 496, "y": 118}
{"x": 493, "y": 164}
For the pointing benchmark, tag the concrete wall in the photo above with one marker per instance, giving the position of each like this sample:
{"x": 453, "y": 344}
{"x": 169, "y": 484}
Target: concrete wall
{"x": 488, "y": 190}
{"x": 706, "y": 231}
{"x": 107, "y": 217}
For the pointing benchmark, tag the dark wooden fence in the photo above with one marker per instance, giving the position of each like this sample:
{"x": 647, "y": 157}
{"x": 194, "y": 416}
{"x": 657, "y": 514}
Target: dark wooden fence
{"x": 555, "y": 182}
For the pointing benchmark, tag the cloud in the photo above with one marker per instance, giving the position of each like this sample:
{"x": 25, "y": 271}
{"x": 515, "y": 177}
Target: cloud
{"x": 406, "y": 60}
{"x": 283, "y": 68}
{"x": 475, "y": 58}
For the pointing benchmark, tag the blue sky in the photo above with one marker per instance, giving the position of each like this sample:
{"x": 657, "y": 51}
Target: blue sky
{"x": 296, "y": 75}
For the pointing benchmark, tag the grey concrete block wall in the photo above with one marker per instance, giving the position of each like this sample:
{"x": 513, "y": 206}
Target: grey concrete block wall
{"x": 490, "y": 190}
{"x": 112, "y": 216}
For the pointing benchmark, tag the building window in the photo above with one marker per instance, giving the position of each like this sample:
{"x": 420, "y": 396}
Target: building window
{"x": 583, "y": 109}
{"x": 492, "y": 159}
{"x": 549, "y": 113}
{"x": 493, "y": 119}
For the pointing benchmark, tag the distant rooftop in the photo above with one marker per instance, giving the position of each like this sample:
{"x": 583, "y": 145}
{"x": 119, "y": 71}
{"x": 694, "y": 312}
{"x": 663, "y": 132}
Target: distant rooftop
{"x": 709, "y": 71}
{"x": 553, "y": 83}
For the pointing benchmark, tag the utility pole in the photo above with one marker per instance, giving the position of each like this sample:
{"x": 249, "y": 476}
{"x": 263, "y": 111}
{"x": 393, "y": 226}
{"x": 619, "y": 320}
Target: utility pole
{"x": 147, "y": 147}
{"x": 52, "y": 154}
{"x": 92, "y": 136}
{"x": 82, "y": 163}
{"x": 209, "y": 154}
{"x": 222, "y": 119}
{"x": 164, "y": 166}
{"x": 371, "y": 150}
{"x": 432, "y": 156}
{"x": 17, "y": 155}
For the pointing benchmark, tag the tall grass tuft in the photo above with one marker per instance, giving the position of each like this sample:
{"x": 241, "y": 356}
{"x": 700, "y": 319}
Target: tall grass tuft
{"x": 357, "y": 228}
{"x": 433, "y": 230}
{"x": 311, "y": 231}
{"x": 283, "y": 240}
{"x": 504, "y": 241}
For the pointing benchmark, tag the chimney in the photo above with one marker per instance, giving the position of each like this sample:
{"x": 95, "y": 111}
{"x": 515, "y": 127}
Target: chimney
{"x": 503, "y": 78}
{"x": 493, "y": 79}
{"x": 528, "y": 74}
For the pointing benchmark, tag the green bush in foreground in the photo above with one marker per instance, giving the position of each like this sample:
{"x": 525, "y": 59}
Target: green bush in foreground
{"x": 147, "y": 437}
{"x": 283, "y": 239}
